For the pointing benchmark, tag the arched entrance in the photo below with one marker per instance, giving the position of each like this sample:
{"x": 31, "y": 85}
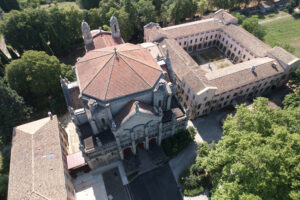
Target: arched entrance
{"x": 127, "y": 151}
{"x": 141, "y": 145}
{"x": 152, "y": 141}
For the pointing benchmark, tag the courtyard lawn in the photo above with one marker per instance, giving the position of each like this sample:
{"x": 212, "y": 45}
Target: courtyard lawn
{"x": 284, "y": 31}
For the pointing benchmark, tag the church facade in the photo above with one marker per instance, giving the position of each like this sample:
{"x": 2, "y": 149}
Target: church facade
{"x": 122, "y": 98}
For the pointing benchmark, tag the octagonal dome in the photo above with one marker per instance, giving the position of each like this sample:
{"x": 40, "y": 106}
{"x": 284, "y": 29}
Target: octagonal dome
{"x": 117, "y": 71}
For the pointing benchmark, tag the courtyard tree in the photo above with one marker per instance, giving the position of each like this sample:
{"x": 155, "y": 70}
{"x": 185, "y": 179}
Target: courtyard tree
{"x": 258, "y": 156}
{"x": 35, "y": 76}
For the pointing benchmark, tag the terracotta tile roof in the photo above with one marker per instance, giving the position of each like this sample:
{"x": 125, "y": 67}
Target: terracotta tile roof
{"x": 183, "y": 64}
{"x": 102, "y": 40}
{"x": 191, "y": 28}
{"x": 36, "y": 165}
{"x": 129, "y": 110}
{"x": 282, "y": 55}
{"x": 242, "y": 75}
{"x": 248, "y": 40}
{"x": 112, "y": 72}
{"x": 75, "y": 160}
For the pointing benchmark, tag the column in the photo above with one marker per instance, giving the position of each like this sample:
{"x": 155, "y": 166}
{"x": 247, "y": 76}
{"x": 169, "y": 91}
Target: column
{"x": 147, "y": 138}
{"x": 169, "y": 102}
{"x": 159, "y": 133}
{"x": 94, "y": 127}
{"x": 119, "y": 147}
{"x": 133, "y": 143}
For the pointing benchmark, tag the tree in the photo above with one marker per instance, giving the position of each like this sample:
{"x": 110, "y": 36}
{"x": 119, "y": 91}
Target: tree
{"x": 202, "y": 6}
{"x": 88, "y": 4}
{"x": 181, "y": 9}
{"x": 13, "y": 111}
{"x": 252, "y": 25}
{"x": 8, "y": 5}
{"x": 258, "y": 156}
{"x": 35, "y": 76}
{"x": 31, "y": 29}
{"x": 292, "y": 100}
{"x": 295, "y": 77}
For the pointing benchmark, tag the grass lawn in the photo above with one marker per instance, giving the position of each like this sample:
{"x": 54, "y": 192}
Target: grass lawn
{"x": 272, "y": 16}
{"x": 286, "y": 31}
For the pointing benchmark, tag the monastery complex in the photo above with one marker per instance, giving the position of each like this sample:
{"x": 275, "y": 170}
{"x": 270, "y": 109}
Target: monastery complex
{"x": 130, "y": 96}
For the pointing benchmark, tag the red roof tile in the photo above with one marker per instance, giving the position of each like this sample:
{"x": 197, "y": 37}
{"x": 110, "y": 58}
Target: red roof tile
{"x": 112, "y": 72}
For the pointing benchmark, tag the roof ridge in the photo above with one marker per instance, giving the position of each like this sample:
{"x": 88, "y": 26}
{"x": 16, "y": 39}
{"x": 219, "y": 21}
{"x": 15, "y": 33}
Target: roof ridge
{"x": 103, "y": 66}
{"x": 141, "y": 62}
{"x": 94, "y": 58}
{"x": 110, "y": 73}
{"x": 134, "y": 70}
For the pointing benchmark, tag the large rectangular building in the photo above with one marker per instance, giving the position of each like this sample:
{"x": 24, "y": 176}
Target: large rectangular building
{"x": 38, "y": 168}
{"x": 216, "y": 63}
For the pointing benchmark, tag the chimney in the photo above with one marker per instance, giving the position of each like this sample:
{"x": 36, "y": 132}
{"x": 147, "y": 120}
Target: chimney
{"x": 50, "y": 115}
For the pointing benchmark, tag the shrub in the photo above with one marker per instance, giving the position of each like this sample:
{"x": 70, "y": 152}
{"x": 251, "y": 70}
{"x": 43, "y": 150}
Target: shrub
{"x": 173, "y": 145}
{"x": 193, "y": 192}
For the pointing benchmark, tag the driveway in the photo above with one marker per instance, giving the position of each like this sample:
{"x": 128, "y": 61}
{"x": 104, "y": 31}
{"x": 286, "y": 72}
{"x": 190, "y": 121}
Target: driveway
{"x": 208, "y": 127}
{"x": 184, "y": 159}
{"x": 158, "y": 184}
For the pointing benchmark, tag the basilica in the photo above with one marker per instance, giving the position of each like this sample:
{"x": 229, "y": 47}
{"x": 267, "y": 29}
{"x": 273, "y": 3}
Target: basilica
{"x": 123, "y": 97}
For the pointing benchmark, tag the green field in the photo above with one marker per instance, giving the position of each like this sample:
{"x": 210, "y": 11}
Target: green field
{"x": 284, "y": 31}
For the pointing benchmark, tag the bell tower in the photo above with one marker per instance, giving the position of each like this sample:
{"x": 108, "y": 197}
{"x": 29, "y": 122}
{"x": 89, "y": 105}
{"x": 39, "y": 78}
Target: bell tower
{"x": 86, "y": 32}
{"x": 114, "y": 27}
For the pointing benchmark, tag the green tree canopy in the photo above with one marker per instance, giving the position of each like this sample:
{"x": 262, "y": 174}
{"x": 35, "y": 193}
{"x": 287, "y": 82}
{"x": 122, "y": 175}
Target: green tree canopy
{"x": 88, "y": 4}
{"x": 258, "y": 156}
{"x": 181, "y": 9}
{"x": 8, "y": 5}
{"x": 251, "y": 24}
{"x": 13, "y": 111}
{"x": 35, "y": 76}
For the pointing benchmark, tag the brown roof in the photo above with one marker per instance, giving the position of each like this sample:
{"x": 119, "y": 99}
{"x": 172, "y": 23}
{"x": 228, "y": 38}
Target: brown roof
{"x": 130, "y": 109}
{"x": 36, "y": 165}
{"x": 241, "y": 74}
{"x": 282, "y": 55}
{"x": 191, "y": 28}
{"x": 112, "y": 72}
{"x": 102, "y": 40}
{"x": 249, "y": 41}
{"x": 183, "y": 64}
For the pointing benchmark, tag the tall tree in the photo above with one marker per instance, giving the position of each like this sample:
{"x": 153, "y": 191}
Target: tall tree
{"x": 8, "y": 5}
{"x": 88, "y": 4}
{"x": 12, "y": 111}
{"x": 258, "y": 156}
{"x": 181, "y": 9}
{"x": 35, "y": 76}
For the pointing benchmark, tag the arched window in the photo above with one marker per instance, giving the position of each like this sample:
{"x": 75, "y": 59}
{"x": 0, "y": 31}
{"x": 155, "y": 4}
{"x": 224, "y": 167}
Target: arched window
{"x": 159, "y": 103}
{"x": 115, "y": 26}
{"x": 103, "y": 121}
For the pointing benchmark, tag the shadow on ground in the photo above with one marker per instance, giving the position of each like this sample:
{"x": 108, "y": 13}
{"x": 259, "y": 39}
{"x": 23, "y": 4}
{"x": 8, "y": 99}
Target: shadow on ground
{"x": 158, "y": 184}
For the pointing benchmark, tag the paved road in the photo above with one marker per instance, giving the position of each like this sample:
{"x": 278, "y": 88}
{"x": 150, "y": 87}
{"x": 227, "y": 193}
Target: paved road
{"x": 185, "y": 158}
{"x": 158, "y": 184}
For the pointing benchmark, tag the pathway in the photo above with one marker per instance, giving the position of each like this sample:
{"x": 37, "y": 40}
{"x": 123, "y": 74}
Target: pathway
{"x": 274, "y": 19}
